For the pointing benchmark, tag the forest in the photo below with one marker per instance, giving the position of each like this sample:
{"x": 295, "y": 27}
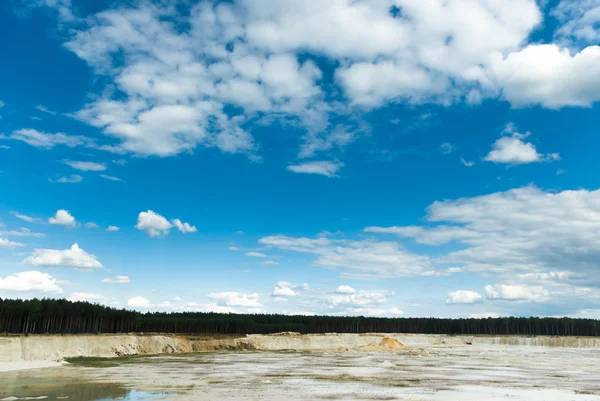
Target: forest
{"x": 52, "y": 316}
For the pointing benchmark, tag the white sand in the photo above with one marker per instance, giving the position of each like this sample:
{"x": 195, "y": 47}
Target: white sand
{"x": 13, "y": 366}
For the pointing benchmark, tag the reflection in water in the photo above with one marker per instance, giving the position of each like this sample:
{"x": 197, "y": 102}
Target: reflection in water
{"x": 70, "y": 390}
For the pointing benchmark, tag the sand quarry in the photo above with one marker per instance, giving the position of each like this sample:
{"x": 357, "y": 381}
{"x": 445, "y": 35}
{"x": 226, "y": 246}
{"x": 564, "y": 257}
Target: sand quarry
{"x": 289, "y": 366}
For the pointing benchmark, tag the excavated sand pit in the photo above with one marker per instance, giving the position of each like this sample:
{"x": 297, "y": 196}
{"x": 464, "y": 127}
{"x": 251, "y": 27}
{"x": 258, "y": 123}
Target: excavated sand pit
{"x": 373, "y": 367}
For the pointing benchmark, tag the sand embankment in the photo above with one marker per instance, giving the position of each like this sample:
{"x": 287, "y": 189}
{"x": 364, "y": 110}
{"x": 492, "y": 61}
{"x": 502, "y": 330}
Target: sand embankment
{"x": 20, "y": 349}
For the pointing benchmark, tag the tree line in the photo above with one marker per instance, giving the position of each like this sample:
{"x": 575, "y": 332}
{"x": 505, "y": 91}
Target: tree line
{"x": 59, "y": 316}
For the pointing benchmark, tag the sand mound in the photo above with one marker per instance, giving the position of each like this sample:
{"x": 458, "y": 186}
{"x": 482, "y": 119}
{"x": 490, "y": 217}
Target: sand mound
{"x": 386, "y": 344}
{"x": 391, "y": 343}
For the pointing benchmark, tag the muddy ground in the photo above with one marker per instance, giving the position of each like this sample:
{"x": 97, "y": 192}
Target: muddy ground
{"x": 444, "y": 373}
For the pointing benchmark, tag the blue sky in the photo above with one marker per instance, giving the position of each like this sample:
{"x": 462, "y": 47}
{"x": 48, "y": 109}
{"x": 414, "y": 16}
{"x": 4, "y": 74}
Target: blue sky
{"x": 385, "y": 158}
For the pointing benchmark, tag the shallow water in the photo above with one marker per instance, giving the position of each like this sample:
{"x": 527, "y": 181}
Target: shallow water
{"x": 434, "y": 374}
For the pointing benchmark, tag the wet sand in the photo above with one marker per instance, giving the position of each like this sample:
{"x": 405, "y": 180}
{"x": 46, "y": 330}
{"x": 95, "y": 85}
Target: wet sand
{"x": 444, "y": 373}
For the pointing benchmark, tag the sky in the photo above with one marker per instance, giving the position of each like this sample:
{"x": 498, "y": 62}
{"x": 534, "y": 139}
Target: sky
{"x": 348, "y": 157}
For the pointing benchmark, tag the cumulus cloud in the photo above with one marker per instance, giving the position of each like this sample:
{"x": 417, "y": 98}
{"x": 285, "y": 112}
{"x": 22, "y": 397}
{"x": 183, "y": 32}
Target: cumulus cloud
{"x": 33, "y": 281}
{"x": 513, "y": 150}
{"x": 73, "y": 257}
{"x": 516, "y": 292}
{"x": 360, "y": 259}
{"x": 184, "y": 227}
{"x": 153, "y": 224}
{"x": 85, "y": 166}
{"x": 284, "y": 289}
{"x": 90, "y": 224}
{"x": 464, "y": 297}
{"x": 45, "y": 140}
{"x": 345, "y": 289}
{"x": 175, "y": 73}
{"x": 62, "y": 218}
{"x": 156, "y": 225}
{"x": 550, "y": 76}
{"x": 117, "y": 280}
{"x": 138, "y": 302}
{"x": 112, "y": 228}
{"x": 236, "y": 299}
{"x": 326, "y": 168}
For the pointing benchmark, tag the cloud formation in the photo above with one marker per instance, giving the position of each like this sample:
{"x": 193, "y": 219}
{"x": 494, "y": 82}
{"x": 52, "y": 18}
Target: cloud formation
{"x": 156, "y": 225}
{"x": 464, "y": 297}
{"x": 62, "y": 218}
{"x": 117, "y": 280}
{"x": 73, "y": 257}
{"x": 326, "y": 168}
{"x": 30, "y": 281}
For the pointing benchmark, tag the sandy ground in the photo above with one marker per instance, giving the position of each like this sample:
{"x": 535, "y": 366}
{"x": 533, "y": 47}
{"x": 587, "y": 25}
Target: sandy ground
{"x": 442, "y": 373}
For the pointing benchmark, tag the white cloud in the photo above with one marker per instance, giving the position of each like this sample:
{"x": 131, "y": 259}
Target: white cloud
{"x": 326, "y": 168}
{"x": 44, "y": 109}
{"x": 25, "y": 218}
{"x": 269, "y": 263}
{"x": 172, "y": 83}
{"x": 85, "y": 166}
{"x": 44, "y": 140}
{"x": 345, "y": 289}
{"x": 284, "y": 289}
{"x": 72, "y": 179}
{"x": 138, "y": 302}
{"x": 516, "y": 292}
{"x": 549, "y": 76}
{"x": 91, "y": 224}
{"x": 580, "y": 21}
{"x": 358, "y": 299}
{"x": 113, "y": 228}
{"x": 22, "y": 232}
{"x": 183, "y": 227}
{"x": 236, "y": 299}
{"x": 33, "y": 281}
{"x": 360, "y": 259}
{"x": 117, "y": 280}
{"x": 111, "y": 178}
{"x": 513, "y": 150}
{"x": 521, "y": 231}
{"x": 62, "y": 218}
{"x": 256, "y": 254}
{"x": 464, "y": 297}
{"x": 447, "y": 148}
{"x": 73, "y": 257}
{"x": 467, "y": 163}
{"x": 86, "y": 297}
{"x": 156, "y": 225}
{"x": 153, "y": 224}
{"x": 4, "y": 243}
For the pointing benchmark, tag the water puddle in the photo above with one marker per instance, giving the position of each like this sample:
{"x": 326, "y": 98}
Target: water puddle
{"x": 17, "y": 390}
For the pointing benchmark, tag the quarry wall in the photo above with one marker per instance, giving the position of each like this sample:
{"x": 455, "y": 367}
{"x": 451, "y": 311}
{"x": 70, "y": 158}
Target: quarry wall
{"x": 58, "y": 347}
